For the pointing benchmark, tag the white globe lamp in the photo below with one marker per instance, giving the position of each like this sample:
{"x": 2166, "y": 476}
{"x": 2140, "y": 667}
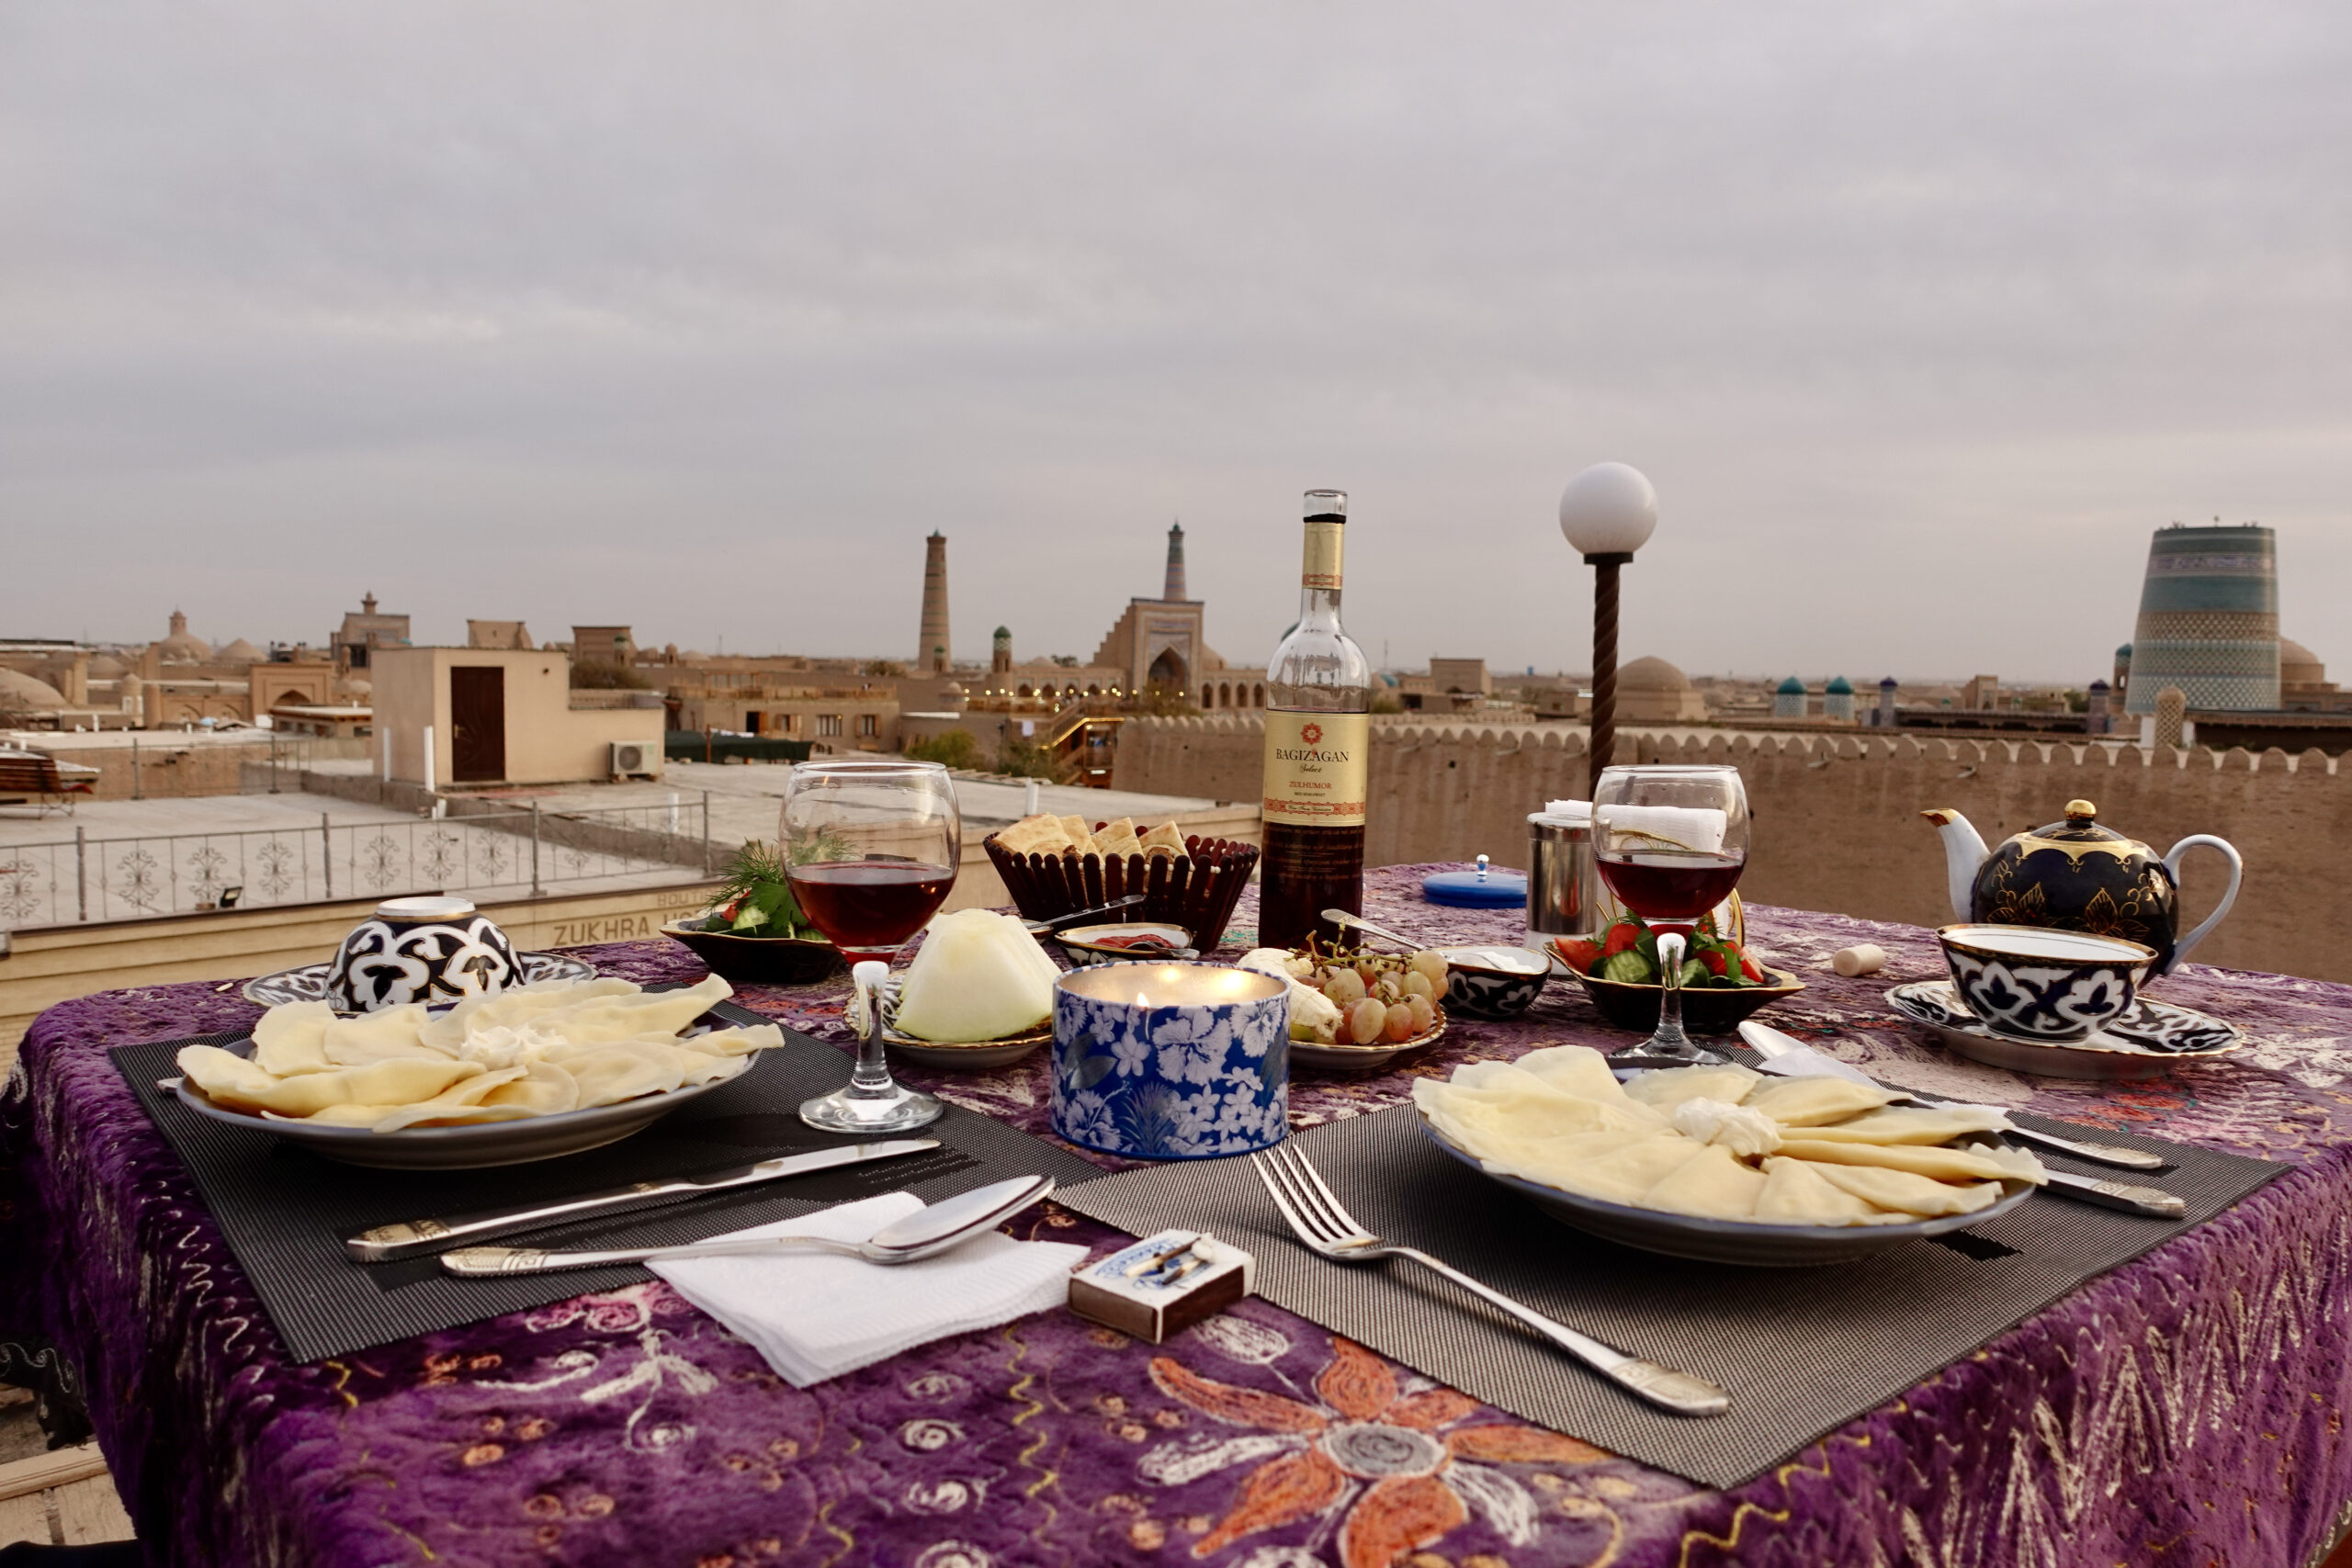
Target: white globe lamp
{"x": 1607, "y": 512}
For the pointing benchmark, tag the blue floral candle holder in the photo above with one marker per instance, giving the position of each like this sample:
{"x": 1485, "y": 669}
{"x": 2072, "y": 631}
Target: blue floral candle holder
{"x": 1171, "y": 1061}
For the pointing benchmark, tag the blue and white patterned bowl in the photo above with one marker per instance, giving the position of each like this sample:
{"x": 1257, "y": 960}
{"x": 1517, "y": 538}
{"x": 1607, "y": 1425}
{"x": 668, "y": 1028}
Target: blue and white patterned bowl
{"x": 421, "y": 950}
{"x": 1198, "y": 1071}
{"x": 2036, "y": 984}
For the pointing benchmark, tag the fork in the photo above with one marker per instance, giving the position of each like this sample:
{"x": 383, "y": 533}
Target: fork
{"x": 1324, "y": 1224}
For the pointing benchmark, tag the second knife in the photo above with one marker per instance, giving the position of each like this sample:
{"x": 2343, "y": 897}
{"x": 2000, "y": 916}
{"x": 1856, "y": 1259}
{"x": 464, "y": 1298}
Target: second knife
{"x": 384, "y": 1243}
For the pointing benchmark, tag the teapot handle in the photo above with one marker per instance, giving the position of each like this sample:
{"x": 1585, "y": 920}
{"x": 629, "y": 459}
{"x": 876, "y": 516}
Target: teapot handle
{"x": 2228, "y": 895}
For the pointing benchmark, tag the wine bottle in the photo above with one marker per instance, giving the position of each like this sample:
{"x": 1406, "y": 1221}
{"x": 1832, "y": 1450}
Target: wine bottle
{"x": 1318, "y": 733}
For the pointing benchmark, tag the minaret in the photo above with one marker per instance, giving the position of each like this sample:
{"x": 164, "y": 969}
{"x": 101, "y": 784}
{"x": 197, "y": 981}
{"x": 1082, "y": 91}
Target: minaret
{"x": 1173, "y": 592}
{"x": 1000, "y": 652}
{"x": 930, "y": 656}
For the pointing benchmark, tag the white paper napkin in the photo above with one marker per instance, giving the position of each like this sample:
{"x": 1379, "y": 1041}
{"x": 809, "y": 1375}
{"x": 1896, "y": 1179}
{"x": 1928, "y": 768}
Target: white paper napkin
{"x": 815, "y": 1316}
{"x": 1698, "y": 828}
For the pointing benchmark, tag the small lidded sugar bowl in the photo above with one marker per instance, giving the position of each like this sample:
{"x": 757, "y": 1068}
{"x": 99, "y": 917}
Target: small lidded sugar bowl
{"x": 433, "y": 948}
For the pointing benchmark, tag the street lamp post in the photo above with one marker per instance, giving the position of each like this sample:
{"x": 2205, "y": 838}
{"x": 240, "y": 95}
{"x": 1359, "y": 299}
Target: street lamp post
{"x": 1607, "y": 512}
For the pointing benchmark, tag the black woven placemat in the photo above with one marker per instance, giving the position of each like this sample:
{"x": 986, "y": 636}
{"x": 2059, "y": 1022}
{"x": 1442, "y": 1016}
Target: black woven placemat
{"x": 286, "y": 1211}
{"x": 1801, "y": 1350}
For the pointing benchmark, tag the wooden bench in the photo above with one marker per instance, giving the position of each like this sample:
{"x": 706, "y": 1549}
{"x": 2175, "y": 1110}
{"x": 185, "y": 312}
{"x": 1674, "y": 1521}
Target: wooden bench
{"x": 37, "y": 781}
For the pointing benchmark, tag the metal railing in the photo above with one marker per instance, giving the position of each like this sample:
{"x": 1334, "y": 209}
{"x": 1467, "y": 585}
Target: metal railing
{"x": 514, "y": 853}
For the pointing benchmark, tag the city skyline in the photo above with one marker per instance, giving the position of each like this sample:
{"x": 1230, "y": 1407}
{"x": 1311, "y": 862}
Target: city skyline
{"x": 514, "y": 312}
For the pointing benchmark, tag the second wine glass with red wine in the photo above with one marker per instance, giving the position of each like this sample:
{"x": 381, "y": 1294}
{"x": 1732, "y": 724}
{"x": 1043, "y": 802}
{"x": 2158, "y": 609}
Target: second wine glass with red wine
{"x": 1670, "y": 841}
{"x": 870, "y": 849}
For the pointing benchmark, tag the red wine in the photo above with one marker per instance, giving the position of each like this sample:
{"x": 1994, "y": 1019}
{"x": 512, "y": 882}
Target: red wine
{"x": 870, "y": 906}
{"x": 1670, "y": 886}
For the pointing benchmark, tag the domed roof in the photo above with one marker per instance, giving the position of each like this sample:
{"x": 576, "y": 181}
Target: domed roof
{"x": 19, "y": 693}
{"x": 2123, "y": 651}
{"x": 2298, "y": 665}
{"x": 1651, "y": 675}
{"x": 239, "y": 652}
{"x": 354, "y": 686}
{"x": 1838, "y": 687}
{"x": 182, "y": 646}
{"x": 106, "y": 667}
{"x": 1005, "y": 632}
{"x": 1792, "y": 687}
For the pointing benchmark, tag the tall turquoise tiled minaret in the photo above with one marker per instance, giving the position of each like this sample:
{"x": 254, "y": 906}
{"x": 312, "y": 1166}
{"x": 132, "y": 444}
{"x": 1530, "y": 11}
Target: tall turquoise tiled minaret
{"x": 2209, "y": 620}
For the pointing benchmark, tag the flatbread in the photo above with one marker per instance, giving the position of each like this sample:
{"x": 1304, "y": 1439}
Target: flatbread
{"x": 1166, "y": 839}
{"x": 1795, "y": 1194}
{"x": 1669, "y": 1087}
{"x": 1915, "y": 1196}
{"x": 1712, "y": 1185}
{"x": 1906, "y": 1124}
{"x": 1812, "y": 1101}
{"x": 292, "y": 1039}
{"x": 1987, "y": 1163}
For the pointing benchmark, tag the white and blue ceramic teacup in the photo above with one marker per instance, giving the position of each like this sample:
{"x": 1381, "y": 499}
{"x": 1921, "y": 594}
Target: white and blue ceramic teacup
{"x": 1171, "y": 1061}
{"x": 429, "y": 950}
{"x": 2032, "y": 983}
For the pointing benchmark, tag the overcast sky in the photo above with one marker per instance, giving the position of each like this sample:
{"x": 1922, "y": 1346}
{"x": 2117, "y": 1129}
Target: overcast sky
{"x": 1920, "y": 317}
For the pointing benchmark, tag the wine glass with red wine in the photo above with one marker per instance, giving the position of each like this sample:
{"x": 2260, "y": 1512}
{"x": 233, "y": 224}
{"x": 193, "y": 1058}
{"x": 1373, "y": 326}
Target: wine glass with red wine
{"x": 1670, "y": 841}
{"x": 870, "y": 849}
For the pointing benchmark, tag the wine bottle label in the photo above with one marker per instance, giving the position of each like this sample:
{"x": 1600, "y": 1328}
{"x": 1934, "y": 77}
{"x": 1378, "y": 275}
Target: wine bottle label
{"x": 1315, "y": 763}
{"x": 1322, "y": 567}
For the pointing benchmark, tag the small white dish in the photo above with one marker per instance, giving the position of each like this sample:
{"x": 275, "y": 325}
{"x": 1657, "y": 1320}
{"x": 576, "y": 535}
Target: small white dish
{"x": 956, "y": 1055}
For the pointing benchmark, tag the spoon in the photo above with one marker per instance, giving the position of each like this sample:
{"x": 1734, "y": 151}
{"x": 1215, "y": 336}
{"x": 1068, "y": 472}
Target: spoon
{"x": 1342, "y": 918}
{"x": 1772, "y": 1044}
{"x": 928, "y": 1230}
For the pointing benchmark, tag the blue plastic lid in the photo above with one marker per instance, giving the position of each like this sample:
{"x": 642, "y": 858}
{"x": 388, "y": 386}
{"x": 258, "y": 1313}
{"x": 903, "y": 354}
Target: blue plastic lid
{"x": 1479, "y": 889}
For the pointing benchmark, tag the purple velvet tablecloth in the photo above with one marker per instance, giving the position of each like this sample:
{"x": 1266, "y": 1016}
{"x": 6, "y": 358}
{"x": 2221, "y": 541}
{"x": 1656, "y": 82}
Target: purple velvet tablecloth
{"x": 2185, "y": 1408}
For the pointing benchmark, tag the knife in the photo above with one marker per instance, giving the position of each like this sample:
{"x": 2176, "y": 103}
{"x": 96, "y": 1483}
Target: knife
{"x": 2116, "y": 1194}
{"x": 1774, "y": 1046}
{"x": 384, "y": 1243}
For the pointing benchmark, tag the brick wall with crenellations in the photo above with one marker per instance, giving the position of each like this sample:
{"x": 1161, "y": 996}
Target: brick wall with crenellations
{"x": 1837, "y": 817}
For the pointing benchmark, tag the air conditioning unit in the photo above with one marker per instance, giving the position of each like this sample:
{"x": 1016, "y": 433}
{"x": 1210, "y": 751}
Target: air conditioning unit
{"x": 636, "y": 760}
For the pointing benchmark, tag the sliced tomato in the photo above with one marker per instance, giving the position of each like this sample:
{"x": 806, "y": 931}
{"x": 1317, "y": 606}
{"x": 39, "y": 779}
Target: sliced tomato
{"x": 1578, "y": 955}
{"x": 1622, "y": 936}
{"x": 1714, "y": 961}
{"x": 1749, "y": 967}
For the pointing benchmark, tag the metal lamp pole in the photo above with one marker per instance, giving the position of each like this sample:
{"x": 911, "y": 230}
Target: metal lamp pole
{"x": 1607, "y": 512}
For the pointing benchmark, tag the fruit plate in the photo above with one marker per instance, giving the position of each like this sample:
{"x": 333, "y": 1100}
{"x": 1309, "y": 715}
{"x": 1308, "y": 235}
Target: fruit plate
{"x": 1741, "y": 1243}
{"x": 953, "y": 1056}
{"x": 1706, "y": 1009}
{"x": 470, "y": 1148}
{"x": 308, "y": 983}
{"x": 1363, "y": 1058}
{"x": 2149, "y": 1040}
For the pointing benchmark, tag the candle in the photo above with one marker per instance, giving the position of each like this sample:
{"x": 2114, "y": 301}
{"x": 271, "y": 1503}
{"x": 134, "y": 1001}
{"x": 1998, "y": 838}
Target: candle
{"x": 1171, "y": 1061}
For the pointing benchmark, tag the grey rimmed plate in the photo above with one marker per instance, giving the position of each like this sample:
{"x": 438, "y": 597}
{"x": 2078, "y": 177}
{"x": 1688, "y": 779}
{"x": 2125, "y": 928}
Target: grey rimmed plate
{"x": 518, "y": 1142}
{"x": 955, "y": 1057}
{"x": 1743, "y": 1243}
{"x": 1363, "y": 1058}
{"x": 2153, "y": 1037}
{"x": 308, "y": 983}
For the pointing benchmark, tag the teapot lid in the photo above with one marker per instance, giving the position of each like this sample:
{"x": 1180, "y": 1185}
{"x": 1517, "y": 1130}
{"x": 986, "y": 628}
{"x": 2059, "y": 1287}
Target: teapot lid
{"x": 2081, "y": 826}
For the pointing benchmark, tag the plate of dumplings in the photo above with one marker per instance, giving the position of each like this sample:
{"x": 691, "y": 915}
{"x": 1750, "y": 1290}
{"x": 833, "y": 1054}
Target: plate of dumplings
{"x": 524, "y": 1074}
{"x": 1721, "y": 1164}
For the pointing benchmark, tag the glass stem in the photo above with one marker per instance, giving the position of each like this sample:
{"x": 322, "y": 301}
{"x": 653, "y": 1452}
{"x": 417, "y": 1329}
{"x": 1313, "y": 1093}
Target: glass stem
{"x": 873, "y": 1073}
{"x": 1670, "y": 1035}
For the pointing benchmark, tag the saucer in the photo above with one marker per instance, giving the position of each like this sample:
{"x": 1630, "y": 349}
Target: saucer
{"x": 2144, "y": 1042}
{"x": 308, "y": 983}
{"x": 956, "y": 1055}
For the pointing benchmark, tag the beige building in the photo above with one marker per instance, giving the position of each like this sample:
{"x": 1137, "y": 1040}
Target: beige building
{"x": 490, "y": 716}
{"x": 509, "y": 635}
{"x": 361, "y": 634}
{"x": 864, "y": 718}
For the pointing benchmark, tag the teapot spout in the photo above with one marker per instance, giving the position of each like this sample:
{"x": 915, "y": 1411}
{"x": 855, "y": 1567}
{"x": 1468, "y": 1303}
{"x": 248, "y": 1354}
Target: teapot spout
{"x": 1964, "y": 852}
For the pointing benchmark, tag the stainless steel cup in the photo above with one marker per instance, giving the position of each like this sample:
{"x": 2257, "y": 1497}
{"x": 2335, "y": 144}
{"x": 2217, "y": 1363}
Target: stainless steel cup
{"x": 1563, "y": 885}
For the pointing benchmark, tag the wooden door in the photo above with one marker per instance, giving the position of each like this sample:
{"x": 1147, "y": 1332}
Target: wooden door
{"x": 477, "y": 723}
